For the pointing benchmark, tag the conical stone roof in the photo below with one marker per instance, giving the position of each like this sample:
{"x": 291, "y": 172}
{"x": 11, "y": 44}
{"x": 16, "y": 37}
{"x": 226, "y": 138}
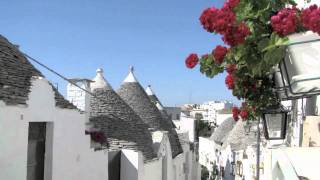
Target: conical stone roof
{"x": 122, "y": 126}
{"x": 134, "y": 95}
{"x": 237, "y": 138}
{"x": 153, "y": 97}
{"x": 16, "y": 73}
{"x": 220, "y": 135}
{"x": 155, "y": 100}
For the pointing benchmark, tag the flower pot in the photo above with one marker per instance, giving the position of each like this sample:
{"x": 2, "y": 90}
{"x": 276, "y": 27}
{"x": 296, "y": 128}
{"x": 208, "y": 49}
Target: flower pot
{"x": 299, "y": 74}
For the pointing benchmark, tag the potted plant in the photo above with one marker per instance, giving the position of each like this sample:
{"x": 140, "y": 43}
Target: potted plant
{"x": 258, "y": 35}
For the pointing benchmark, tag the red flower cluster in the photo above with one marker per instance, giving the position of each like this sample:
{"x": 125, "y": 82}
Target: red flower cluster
{"x": 285, "y": 22}
{"x": 231, "y": 68}
{"x": 231, "y": 4}
{"x": 223, "y": 21}
{"x": 219, "y": 53}
{"x": 192, "y": 60}
{"x": 242, "y": 112}
{"x": 217, "y": 20}
{"x": 98, "y": 136}
{"x": 236, "y": 35}
{"x": 230, "y": 81}
{"x": 310, "y": 18}
{"x": 235, "y": 113}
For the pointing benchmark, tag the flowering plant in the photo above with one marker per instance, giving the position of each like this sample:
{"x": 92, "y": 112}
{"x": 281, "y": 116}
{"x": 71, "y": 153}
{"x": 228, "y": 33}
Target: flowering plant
{"x": 255, "y": 34}
{"x": 97, "y": 136}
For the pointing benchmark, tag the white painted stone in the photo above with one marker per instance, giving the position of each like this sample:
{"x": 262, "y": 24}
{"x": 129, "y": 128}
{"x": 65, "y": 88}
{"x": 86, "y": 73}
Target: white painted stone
{"x": 149, "y": 91}
{"x": 99, "y": 81}
{"x": 131, "y": 77}
{"x": 68, "y": 153}
{"x": 159, "y": 106}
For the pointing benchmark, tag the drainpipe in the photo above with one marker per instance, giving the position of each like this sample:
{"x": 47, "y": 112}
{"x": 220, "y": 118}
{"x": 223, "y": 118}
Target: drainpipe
{"x": 258, "y": 151}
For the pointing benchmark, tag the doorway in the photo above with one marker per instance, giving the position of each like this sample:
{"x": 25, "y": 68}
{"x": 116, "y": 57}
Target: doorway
{"x": 36, "y": 150}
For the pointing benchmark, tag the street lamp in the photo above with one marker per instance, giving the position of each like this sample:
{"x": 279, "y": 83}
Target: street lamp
{"x": 275, "y": 123}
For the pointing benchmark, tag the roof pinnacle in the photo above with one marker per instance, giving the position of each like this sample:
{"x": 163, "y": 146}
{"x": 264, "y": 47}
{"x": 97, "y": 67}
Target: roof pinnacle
{"x": 131, "y": 77}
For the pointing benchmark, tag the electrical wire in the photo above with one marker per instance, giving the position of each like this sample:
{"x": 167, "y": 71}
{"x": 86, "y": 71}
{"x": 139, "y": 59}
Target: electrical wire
{"x": 59, "y": 75}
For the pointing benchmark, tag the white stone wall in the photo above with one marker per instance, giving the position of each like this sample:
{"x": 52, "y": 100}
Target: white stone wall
{"x": 80, "y": 98}
{"x": 68, "y": 153}
{"x": 188, "y": 125}
{"x": 153, "y": 170}
{"x": 188, "y": 161}
{"x": 222, "y": 117}
{"x": 207, "y": 154}
{"x": 130, "y": 165}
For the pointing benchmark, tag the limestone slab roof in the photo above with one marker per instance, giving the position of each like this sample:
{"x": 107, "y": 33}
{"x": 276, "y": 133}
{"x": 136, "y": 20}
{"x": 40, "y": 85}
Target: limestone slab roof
{"x": 237, "y": 138}
{"x": 155, "y": 100}
{"x": 136, "y": 97}
{"x": 153, "y": 97}
{"x": 122, "y": 126}
{"x": 16, "y": 73}
{"x": 221, "y": 133}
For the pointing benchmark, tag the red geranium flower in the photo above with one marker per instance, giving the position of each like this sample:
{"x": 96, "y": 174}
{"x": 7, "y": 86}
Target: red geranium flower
{"x": 285, "y": 22}
{"x": 219, "y": 53}
{"x": 231, "y": 68}
{"x": 244, "y": 114}
{"x": 192, "y": 60}
{"x": 235, "y": 113}
{"x": 229, "y": 81}
{"x": 231, "y": 4}
{"x": 217, "y": 20}
{"x": 207, "y": 18}
{"x": 236, "y": 35}
{"x": 98, "y": 136}
{"x": 310, "y": 18}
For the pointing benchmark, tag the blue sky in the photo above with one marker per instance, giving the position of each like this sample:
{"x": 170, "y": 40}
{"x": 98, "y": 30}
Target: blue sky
{"x": 75, "y": 37}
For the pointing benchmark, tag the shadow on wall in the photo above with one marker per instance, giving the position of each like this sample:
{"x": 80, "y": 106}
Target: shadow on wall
{"x": 114, "y": 165}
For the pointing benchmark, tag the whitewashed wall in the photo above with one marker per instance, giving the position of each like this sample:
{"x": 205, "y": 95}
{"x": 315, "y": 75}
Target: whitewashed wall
{"x": 207, "y": 153}
{"x": 188, "y": 125}
{"x": 153, "y": 170}
{"x": 131, "y": 165}
{"x": 222, "y": 117}
{"x": 68, "y": 152}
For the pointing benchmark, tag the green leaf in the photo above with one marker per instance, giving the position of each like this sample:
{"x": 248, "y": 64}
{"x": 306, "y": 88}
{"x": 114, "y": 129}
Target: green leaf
{"x": 274, "y": 56}
{"x": 276, "y": 41}
{"x": 263, "y": 44}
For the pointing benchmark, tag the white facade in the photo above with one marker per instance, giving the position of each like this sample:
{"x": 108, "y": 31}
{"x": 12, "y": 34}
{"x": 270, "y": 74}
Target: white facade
{"x": 207, "y": 154}
{"x": 222, "y": 117}
{"x": 68, "y": 154}
{"x": 209, "y": 110}
{"x": 188, "y": 124}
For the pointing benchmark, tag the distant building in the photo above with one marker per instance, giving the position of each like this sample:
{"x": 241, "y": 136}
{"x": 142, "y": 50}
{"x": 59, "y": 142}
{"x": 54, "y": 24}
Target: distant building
{"x": 174, "y": 113}
{"x": 214, "y": 112}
